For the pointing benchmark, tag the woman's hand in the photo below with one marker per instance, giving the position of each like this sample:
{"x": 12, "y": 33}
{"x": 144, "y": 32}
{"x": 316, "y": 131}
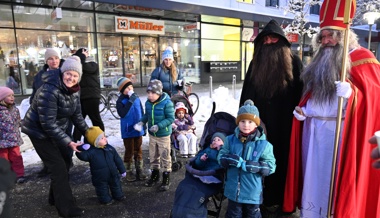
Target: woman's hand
{"x": 74, "y": 146}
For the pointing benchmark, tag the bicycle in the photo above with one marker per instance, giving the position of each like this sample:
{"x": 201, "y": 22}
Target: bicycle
{"x": 108, "y": 102}
{"x": 192, "y": 97}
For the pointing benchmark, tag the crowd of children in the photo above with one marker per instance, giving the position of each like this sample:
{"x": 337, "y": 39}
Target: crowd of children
{"x": 246, "y": 155}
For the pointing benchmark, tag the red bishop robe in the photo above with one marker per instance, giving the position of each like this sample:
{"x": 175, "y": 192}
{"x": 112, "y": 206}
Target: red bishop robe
{"x": 357, "y": 192}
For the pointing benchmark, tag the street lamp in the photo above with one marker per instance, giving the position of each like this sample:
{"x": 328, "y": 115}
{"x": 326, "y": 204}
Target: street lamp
{"x": 370, "y": 17}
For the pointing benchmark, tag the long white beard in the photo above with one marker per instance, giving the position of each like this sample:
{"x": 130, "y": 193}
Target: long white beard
{"x": 320, "y": 75}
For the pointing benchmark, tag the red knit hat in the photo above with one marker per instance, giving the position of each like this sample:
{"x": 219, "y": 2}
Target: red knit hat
{"x": 332, "y": 14}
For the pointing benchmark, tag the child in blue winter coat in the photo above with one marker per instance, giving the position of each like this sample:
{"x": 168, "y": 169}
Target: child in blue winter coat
{"x": 247, "y": 157}
{"x": 207, "y": 158}
{"x": 105, "y": 166}
{"x": 159, "y": 114}
{"x": 130, "y": 110}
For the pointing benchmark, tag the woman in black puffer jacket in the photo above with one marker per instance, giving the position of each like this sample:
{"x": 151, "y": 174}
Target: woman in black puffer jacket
{"x": 55, "y": 104}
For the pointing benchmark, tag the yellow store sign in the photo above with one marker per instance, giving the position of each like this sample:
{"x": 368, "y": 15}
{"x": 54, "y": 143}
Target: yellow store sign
{"x": 138, "y": 25}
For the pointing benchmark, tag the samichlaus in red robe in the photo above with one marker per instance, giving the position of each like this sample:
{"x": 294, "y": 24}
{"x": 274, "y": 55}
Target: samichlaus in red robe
{"x": 357, "y": 183}
{"x": 357, "y": 192}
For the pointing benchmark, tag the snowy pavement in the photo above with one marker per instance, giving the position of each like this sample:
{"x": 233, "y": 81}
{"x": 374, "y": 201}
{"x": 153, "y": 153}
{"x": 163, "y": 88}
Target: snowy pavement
{"x": 225, "y": 98}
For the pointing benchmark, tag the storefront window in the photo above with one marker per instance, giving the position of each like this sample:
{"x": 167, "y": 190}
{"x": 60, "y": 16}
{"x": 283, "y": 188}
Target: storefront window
{"x": 9, "y": 61}
{"x": 40, "y": 18}
{"x": 110, "y": 59}
{"x": 186, "y": 56}
{"x": 78, "y": 4}
{"x": 6, "y": 16}
{"x": 131, "y": 46}
{"x": 218, "y": 50}
{"x": 177, "y": 29}
{"x": 220, "y": 43}
{"x": 220, "y": 20}
{"x": 32, "y": 46}
{"x": 149, "y": 56}
{"x": 105, "y": 23}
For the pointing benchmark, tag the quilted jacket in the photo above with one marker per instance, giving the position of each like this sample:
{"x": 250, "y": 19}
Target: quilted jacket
{"x": 51, "y": 109}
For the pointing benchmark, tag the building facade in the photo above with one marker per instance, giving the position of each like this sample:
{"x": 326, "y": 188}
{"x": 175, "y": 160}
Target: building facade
{"x": 127, "y": 38}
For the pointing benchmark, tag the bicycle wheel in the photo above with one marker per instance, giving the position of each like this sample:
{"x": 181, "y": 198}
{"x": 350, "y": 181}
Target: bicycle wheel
{"x": 102, "y": 104}
{"x": 112, "y": 98}
{"x": 194, "y": 101}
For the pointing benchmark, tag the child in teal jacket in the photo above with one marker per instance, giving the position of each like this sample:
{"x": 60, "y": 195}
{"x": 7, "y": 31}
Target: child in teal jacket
{"x": 159, "y": 114}
{"x": 247, "y": 157}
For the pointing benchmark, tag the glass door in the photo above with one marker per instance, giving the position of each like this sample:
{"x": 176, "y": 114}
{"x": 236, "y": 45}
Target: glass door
{"x": 149, "y": 58}
{"x": 132, "y": 59}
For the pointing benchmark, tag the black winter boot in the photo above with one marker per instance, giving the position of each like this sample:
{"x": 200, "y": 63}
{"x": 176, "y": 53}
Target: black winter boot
{"x": 165, "y": 181}
{"x": 154, "y": 178}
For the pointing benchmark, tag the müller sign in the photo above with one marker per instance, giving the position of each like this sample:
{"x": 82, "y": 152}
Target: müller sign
{"x": 138, "y": 25}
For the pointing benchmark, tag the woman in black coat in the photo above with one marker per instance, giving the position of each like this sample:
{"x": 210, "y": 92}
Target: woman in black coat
{"x": 55, "y": 104}
{"x": 89, "y": 91}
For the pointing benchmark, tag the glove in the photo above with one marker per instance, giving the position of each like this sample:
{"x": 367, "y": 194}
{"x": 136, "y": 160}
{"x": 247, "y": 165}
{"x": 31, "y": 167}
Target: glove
{"x": 130, "y": 92}
{"x": 264, "y": 168}
{"x": 154, "y": 128}
{"x": 124, "y": 174}
{"x": 251, "y": 166}
{"x": 180, "y": 88}
{"x": 138, "y": 126}
{"x": 86, "y": 146}
{"x": 228, "y": 160}
{"x": 180, "y": 82}
{"x": 297, "y": 114}
{"x": 343, "y": 89}
{"x": 174, "y": 126}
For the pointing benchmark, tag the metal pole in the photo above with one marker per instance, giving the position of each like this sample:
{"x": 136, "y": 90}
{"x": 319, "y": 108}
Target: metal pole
{"x": 210, "y": 86}
{"x": 369, "y": 36}
{"x": 234, "y": 86}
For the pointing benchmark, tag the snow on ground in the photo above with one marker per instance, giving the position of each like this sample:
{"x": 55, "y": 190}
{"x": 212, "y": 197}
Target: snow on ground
{"x": 222, "y": 96}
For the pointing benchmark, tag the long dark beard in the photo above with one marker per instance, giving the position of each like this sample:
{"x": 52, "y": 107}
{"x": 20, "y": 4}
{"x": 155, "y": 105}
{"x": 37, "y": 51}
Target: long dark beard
{"x": 272, "y": 69}
{"x": 319, "y": 76}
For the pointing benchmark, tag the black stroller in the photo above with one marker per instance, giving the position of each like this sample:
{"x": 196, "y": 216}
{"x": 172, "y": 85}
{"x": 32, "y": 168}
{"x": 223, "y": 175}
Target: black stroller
{"x": 176, "y": 165}
{"x": 193, "y": 194}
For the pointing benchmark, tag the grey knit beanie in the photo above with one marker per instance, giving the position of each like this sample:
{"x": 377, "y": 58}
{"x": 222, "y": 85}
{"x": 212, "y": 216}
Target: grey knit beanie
{"x": 51, "y": 52}
{"x": 72, "y": 63}
{"x": 221, "y": 135}
{"x": 155, "y": 86}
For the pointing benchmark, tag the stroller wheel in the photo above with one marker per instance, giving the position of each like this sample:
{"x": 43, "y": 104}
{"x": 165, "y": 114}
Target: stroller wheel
{"x": 176, "y": 166}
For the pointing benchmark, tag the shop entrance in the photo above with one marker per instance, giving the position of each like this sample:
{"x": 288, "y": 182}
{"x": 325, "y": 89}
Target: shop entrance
{"x": 140, "y": 58}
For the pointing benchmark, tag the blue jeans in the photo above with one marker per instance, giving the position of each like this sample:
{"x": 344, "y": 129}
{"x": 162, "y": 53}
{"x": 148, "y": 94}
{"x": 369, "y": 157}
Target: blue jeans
{"x": 239, "y": 210}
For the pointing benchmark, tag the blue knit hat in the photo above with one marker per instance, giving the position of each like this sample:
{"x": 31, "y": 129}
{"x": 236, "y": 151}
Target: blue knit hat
{"x": 220, "y": 135}
{"x": 248, "y": 112}
{"x": 168, "y": 53}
